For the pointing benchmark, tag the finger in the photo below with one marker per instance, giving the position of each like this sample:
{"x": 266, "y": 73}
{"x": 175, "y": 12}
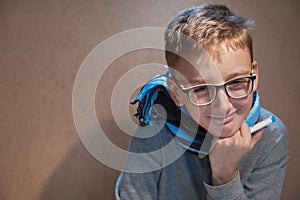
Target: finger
{"x": 256, "y": 137}
{"x": 245, "y": 131}
{"x": 214, "y": 142}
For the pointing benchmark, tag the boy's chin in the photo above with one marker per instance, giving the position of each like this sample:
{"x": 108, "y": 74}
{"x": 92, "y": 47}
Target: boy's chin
{"x": 223, "y": 133}
{"x": 226, "y": 134}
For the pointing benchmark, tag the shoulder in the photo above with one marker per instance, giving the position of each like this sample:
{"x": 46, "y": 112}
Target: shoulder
{"x": 151, "y": 148}
{"x": 276, "y": 131}
{"x": 150, "y": 138}
{"x": 146, "y": 138}
{"x": 274, "y": 141}
{"x": 277, "y": 126}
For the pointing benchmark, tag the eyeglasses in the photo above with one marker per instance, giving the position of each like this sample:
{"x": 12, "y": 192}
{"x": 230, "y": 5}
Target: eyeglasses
{"x": 205, "y": 94}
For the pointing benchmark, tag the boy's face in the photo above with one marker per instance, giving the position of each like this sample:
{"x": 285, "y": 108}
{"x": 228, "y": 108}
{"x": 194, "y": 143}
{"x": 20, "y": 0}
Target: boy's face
{"x": 225, "y": 115}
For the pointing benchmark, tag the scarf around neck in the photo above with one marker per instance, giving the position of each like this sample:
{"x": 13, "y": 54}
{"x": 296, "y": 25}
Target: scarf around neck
{"x": 186, "y": 131}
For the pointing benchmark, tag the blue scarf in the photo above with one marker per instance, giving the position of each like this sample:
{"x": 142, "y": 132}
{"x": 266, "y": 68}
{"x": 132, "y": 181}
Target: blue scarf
{"x": 178, "y": 119}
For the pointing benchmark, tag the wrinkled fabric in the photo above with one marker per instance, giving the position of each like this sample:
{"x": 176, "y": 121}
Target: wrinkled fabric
{"x": 260, "y": 173}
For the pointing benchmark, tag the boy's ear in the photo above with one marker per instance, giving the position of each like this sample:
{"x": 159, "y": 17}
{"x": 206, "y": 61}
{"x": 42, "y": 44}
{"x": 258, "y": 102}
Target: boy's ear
{"x": 255, "y": 69}
{"x": 174, "y": 90}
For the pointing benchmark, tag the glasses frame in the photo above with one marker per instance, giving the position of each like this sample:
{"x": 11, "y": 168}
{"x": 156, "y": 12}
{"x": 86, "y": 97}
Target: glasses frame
{"x": 187, "y": 90}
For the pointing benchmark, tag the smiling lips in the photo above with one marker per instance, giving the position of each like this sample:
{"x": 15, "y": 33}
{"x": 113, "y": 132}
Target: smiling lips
{"x": 224, "y": 119}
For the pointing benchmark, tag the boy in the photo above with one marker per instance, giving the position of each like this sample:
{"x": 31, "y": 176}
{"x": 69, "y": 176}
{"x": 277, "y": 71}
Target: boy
{"x": 194, "y": 141}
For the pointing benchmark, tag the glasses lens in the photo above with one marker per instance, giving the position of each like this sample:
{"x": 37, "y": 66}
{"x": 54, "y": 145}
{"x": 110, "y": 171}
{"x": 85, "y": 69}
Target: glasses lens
{"x": 202, "y": 95}
{"x": 240, "y": 87}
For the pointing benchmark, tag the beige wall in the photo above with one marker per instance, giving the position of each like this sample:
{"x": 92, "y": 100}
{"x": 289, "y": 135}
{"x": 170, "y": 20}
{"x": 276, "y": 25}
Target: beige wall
{"x": 43, "y": 43}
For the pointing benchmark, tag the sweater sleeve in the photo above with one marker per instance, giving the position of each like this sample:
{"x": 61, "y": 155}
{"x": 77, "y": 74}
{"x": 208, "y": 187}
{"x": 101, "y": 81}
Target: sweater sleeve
{"x": 266, "y": 178}
{"x": 141, "y": 173}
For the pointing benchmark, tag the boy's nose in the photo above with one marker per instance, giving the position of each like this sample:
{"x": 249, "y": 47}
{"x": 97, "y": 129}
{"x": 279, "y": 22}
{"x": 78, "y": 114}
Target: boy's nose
{"x": 222, "y": 103}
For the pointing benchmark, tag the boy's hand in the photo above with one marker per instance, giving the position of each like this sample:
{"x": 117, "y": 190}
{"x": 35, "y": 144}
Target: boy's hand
{"x": 228, "y": 152}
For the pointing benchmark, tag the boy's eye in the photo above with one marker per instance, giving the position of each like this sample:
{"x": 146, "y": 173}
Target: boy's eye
{"x": 240, "y": 83}
{"x": 201, "y": 89}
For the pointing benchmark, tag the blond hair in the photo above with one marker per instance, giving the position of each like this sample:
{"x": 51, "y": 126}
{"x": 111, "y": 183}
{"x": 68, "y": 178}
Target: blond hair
{"x": 210, "y": 26}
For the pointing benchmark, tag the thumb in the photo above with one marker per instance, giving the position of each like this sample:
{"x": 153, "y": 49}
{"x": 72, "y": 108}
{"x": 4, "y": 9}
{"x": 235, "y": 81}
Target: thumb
{"x": 256, "y": 137}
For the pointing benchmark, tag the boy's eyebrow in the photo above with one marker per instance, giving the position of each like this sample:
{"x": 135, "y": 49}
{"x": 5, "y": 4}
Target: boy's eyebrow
{"x": 198, "y": 80}
{"x": 237, "y": 74}
{"x": 194, "y": 81}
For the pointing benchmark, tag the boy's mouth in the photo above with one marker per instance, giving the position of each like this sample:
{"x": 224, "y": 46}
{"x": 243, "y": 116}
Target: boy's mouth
{"x": 221, "y": 119}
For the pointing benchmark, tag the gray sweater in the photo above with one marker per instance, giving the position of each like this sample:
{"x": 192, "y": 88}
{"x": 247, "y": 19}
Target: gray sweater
{"x": 160, "y": 168}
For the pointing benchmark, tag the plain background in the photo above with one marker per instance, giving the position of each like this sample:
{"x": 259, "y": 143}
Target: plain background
{"x": 42, "y": 45}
